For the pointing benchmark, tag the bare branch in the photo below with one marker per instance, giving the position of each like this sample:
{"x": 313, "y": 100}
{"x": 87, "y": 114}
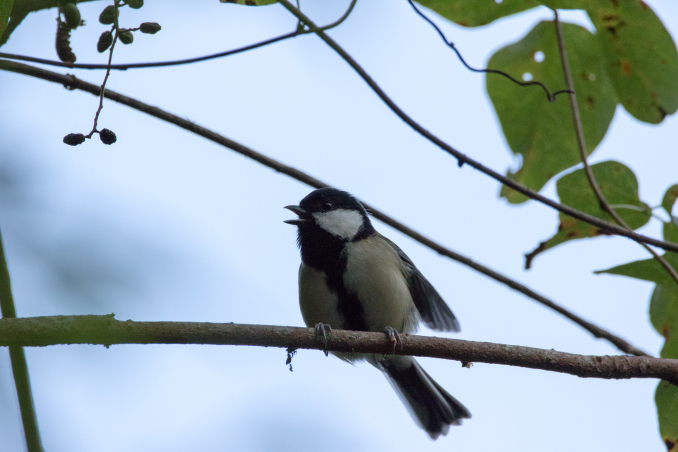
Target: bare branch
{"x": 72, "y": 82}
{"x": 583, "y": 152}
{"x": 18, "y": 360}
{"x": 124, "y": 67}
{"x": 464, "y": 159}
{"x": 105, "y": 330}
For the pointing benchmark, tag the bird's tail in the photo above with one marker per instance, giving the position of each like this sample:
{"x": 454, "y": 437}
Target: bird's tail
{"x": 430, "y": 405}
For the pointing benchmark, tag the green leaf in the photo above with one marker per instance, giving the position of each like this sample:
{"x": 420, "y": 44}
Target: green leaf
{"x": 664, "y": 317}
{"x": 251, "y": 2}
{"x": 5, "y": 11}
{"x": 670, "y": 198}
{"x": 641, "y": 58}
{"x": 647, "y": 270}
{"x": 542, "y": 132}
{"x": 620, "y": 188}
{"x": 670, "y": 230}
{"x": 666, "y": 399}
{"x": 474, "y": 13}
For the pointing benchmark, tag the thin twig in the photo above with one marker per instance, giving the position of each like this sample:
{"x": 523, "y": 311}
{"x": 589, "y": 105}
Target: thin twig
{"x": 108, "y": 72}
{"x": 550, "y": 97}
{"x": 18, "y": 360}
{"x": 124, "y": 67}
{"x": 464, "y": 159}
{"x": 106, "y": 330}
{"x": 72, "y": 82}
{"x": 583, "y": 152}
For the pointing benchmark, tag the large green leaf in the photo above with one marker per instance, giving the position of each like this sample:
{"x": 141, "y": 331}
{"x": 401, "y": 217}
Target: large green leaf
{"x": 641, "y": 58}
{"x": 474, "y": 13}
{"x": 620, "y": 188}
{"x": 541, "y": 131}
{"x": 666, "y": 399}
{"x": 664, "y": 317}
{"x": 5, "y": 10}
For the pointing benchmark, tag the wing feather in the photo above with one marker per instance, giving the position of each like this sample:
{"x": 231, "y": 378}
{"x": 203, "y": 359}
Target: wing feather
{"x": 431, "y": 306}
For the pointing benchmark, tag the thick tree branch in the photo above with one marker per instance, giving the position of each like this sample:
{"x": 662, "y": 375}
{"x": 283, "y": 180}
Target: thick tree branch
{"x": 463, "y": 158}
{"x": 72, "y": 82}
{"x": 583, "y": 152}
{"x": 105, "y": 330}
{"x": 19, "y": 366}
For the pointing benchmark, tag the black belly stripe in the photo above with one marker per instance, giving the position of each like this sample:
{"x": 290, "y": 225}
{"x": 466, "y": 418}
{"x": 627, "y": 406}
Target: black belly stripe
{"x": 348, "y": 304}
{"x": 322, "y": 251}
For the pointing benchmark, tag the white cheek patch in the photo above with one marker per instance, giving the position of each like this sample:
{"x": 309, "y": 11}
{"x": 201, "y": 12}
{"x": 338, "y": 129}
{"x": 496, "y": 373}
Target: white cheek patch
{"x": 341, "y": 222}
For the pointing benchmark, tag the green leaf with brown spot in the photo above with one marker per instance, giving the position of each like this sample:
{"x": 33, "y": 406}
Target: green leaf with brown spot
{"x": 250, "y": 2}
{"x": 640, "y": 57}
{"x": 5, "y": 11}
{"x": 620, "y": 188}
{"x": 541, "y": 131}
{"x": 474, "y": 13}
{"x": 666, "y": 399}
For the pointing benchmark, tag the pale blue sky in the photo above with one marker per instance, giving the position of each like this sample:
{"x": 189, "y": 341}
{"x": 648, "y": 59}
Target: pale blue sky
{"x": 178, "y": 228}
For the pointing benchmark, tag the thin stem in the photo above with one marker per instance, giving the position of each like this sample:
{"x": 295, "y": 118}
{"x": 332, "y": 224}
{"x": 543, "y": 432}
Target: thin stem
{"x": 550, "y": 96}
{"x": 124, "y": 67}
{"x": 18, "y": 360}
{"x": 583, "y": 153}
{"x": 106, "y": 330}
{"x": 464, "y": 159}
{"x": 72, "y": 82}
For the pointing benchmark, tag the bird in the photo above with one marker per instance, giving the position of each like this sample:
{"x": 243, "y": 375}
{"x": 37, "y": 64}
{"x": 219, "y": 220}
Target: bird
{"x": 352, "y": 277}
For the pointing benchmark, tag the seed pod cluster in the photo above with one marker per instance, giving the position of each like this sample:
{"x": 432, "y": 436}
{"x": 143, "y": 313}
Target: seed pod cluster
{"x": 74, "y": 139}
{"x": 107, "y": 136}
{"x": 71, "y": 15}
{"x": 63, "y": 43}
{"x": 126, "y": 37}
{"x": 108, "y": 15}
{"x": 105, "y": 41}
{"x": 150, "y": 28}
{"x": 134, "y": 4}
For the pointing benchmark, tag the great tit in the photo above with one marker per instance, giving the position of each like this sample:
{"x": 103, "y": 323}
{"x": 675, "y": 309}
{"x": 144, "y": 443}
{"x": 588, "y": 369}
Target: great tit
{"x": 351, "y": 277}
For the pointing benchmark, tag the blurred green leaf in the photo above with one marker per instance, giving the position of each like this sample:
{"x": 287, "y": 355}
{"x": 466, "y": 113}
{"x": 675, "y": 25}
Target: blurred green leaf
{"x": 666, "y": 399}
{"x": 5, "y": 10}
{"x": 664, "y": 317}
{"x": 539, "y": 131}
{"x": 620, "y": 188}
{"x": 250, "y": 2}
{"x": 474, "y": 13}
{"x": 640, "y": 56}
{"x": 670, "y": 198}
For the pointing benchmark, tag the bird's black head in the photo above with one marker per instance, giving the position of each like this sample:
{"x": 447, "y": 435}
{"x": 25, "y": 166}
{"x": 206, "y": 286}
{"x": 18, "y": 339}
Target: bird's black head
{"x": 331, "y": 214}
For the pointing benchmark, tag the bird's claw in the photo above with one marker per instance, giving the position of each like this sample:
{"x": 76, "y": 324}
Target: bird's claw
{"x": 393, "y": 337}
{"x": 321, "y": 331}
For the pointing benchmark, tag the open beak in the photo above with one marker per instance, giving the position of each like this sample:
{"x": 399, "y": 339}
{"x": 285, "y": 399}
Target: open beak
{"x": 301, "y": 213}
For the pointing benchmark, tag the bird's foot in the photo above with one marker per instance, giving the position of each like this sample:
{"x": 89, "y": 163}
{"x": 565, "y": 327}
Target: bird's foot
{"x": 393, "y": 337}
{"x": 321, "y": 331}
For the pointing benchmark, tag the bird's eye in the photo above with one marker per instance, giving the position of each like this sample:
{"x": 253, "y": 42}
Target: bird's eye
{"x": 327, "y": 206}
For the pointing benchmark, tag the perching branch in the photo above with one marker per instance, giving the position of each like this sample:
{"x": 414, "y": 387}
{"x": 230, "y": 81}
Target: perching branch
{"x": 583, "y": 153}
{"x": 72, "y": 82}
{"x": 464, "y": 159}
{"x": 105, "y": 330}
{"x": 19, "y": 366}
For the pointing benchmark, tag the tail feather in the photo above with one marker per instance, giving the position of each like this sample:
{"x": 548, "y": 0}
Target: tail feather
{"x": 433, "y": 408}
